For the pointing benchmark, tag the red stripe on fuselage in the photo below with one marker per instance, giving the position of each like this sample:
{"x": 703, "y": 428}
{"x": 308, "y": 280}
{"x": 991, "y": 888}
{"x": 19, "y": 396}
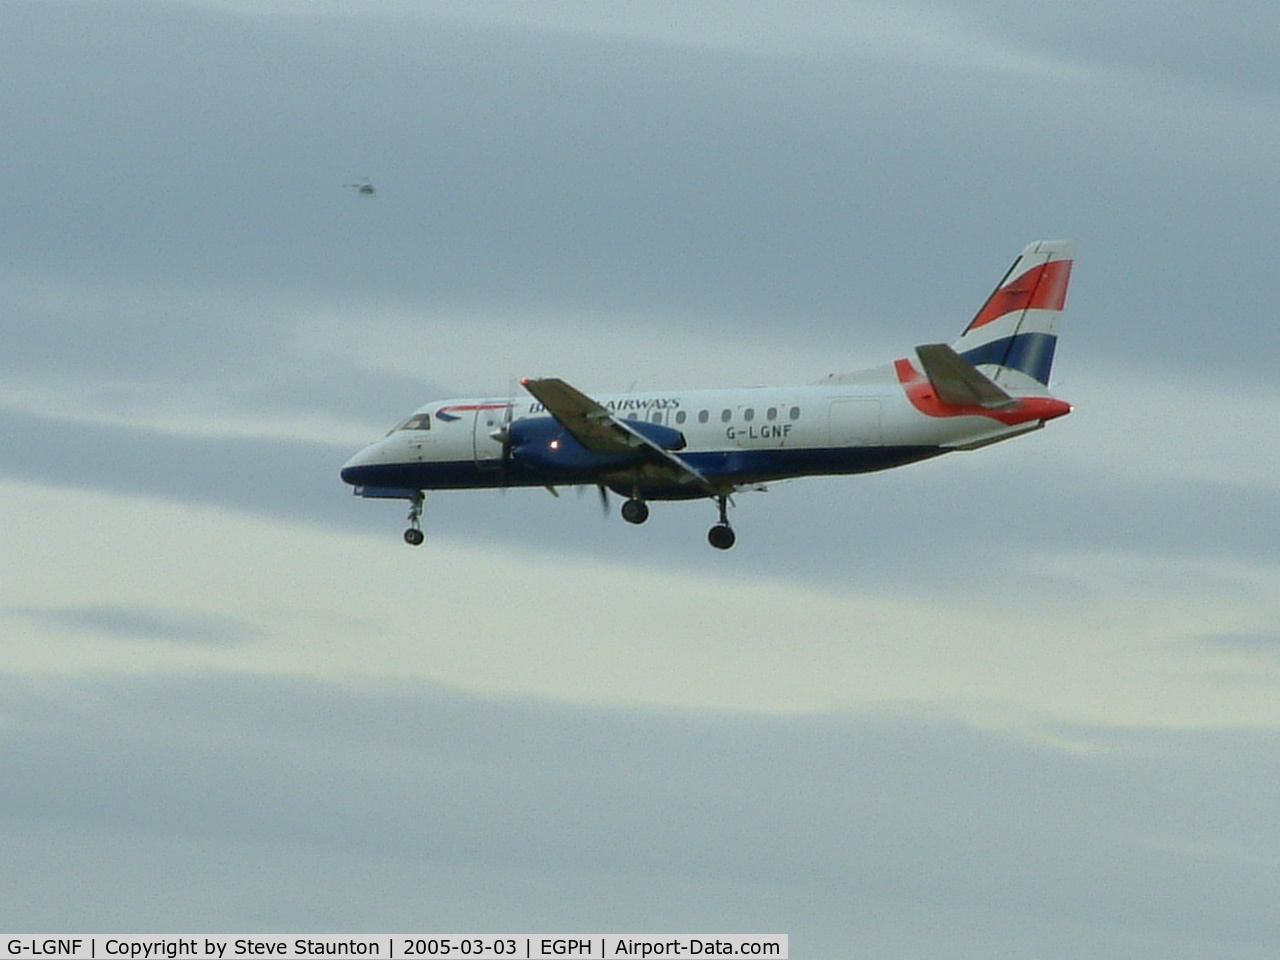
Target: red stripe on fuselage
{"x": 1040, "y": 288}
{"x": 470, "y": 407}
{"x": 922, "y": 396}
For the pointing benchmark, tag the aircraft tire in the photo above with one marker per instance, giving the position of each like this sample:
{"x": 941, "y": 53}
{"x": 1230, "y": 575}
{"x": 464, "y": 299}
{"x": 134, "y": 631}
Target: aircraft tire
{"x": 721, "y": 536}
{"x": 635, "y": 511}
{"x": 414, "y": 537}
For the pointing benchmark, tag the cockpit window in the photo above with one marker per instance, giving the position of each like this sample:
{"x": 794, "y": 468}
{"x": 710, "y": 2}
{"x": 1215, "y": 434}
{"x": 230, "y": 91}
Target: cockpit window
{"x": 419, "y": 421}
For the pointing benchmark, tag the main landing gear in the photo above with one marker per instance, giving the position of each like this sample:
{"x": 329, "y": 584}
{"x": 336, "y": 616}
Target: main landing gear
{"x": 635, "y": 510}
{"x": 721, "y": 536}
{"x": 414, "y": 536}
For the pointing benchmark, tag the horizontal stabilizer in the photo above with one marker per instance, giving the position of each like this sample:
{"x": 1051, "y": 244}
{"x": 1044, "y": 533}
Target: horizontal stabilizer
{"x": 958, "y": 382}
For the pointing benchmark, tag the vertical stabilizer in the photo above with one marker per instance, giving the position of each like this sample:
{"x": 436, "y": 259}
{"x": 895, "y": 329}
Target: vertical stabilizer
{"x": 1014, "y": 335}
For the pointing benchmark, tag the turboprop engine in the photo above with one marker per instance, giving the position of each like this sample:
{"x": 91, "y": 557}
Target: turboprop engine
{"x": 543, "y": 444}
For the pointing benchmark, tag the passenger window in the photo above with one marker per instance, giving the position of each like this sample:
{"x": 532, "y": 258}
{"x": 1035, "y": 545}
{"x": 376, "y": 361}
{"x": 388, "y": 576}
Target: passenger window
{"x": 656, "y": 416}
{"x": 748, "y": 414}
{"x": 703, "y": 416}
{"x": 679, "y": 416}
{"x": 795, "y": 413}
{"x": 772, "y": 413}
{"x": 726, "y": 416}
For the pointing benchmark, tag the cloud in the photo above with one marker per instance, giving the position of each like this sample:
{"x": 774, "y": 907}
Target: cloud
{"x": 131, "y": 623}
{"x": 1228, "y": 56}
{"x": 417, "y": 781}
{"x": 1011, "y": 638}
{"x": 1012, "y": 702}
{"x": 746, "y": 191}
{"x": 1263, "y": 641}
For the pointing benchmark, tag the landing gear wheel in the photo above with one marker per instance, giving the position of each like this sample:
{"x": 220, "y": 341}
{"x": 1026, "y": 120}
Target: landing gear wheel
{"x": 413, "y": 536}
{"x": 721, "y": 536}
{"x": 635, "y": 511}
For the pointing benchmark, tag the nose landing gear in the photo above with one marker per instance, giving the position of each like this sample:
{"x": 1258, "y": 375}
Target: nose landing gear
{"x": 414, "y": 536}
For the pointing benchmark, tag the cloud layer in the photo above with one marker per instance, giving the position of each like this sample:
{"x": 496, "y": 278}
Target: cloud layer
{"x": 1019, "y": 702}
{"x": 765, "y": 821}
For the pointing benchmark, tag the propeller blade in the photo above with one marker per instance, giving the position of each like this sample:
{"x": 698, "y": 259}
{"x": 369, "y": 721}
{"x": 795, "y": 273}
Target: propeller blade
{"x": 503, "y": 434}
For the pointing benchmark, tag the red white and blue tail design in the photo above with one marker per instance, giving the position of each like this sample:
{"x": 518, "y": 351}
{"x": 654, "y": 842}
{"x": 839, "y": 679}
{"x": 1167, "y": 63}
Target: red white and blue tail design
{"x": 1013, "y": 336}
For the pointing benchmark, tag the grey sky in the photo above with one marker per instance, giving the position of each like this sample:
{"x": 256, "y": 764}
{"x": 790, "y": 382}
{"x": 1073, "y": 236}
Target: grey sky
{"x": 1019, "y": 702}
{"x": 842, "y": 811}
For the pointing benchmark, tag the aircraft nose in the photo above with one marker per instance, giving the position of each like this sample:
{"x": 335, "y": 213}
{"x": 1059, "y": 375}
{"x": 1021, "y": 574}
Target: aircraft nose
{"x": 354, "y": 470}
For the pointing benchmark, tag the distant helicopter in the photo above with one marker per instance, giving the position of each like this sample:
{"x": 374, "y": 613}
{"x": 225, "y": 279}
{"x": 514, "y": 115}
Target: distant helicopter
{"x": 362, "y": 187}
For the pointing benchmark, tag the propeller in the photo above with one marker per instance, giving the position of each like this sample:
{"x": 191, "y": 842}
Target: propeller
{"x": 604, "y": 497}
{"x": 502, "y": 434}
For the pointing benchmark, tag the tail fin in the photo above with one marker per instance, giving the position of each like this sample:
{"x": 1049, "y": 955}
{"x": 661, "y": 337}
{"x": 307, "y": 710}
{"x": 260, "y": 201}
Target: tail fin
{"x": 1016, "y": 331}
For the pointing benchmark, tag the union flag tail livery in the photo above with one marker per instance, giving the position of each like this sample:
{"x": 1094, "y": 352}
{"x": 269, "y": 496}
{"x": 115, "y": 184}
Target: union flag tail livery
{"x": 990, "y": 385}
{"x": 1015, "y": 333}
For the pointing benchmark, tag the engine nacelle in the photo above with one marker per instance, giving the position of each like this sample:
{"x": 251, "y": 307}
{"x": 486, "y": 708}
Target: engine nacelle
{"x": 545, "y": 445}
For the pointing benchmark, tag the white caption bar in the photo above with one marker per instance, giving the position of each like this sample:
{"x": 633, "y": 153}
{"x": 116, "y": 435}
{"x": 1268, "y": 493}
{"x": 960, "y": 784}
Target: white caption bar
{"x": 400, "y": 947}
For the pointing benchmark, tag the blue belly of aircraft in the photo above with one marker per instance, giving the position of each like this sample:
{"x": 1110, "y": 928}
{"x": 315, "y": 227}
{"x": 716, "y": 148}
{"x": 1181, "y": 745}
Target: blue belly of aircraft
{"x": 730, "y": 467}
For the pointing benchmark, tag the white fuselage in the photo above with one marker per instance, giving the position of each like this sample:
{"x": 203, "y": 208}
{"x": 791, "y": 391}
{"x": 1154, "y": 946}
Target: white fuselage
{"x": 989, "y": 385}
{"x": 851, "y": 424}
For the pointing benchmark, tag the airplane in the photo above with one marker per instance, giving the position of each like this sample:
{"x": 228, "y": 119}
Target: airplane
{"x": 989, "y": 385}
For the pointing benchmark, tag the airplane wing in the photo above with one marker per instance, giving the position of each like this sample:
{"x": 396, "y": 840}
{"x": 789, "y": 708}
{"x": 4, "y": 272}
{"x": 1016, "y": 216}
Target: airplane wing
{"x": 959, "y": 382}
{"x": 601, "y": 432}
